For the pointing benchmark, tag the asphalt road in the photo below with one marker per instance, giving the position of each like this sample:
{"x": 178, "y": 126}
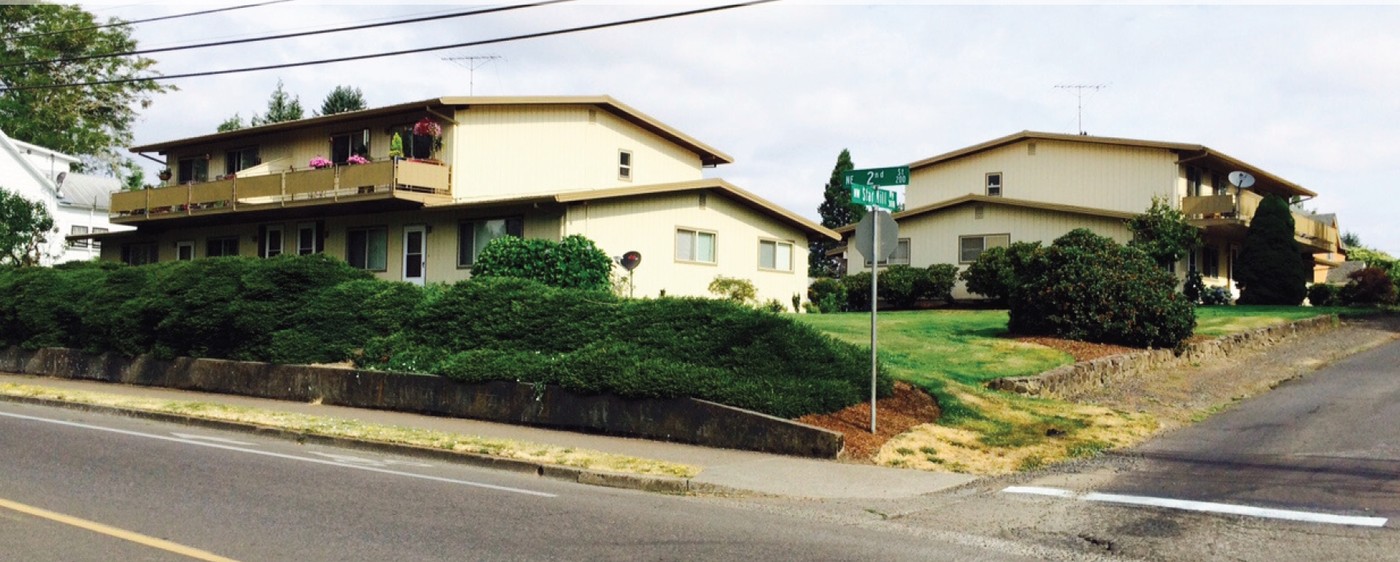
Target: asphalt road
{"x": 1327, "y": 442}
{"x": 248, "y": 498}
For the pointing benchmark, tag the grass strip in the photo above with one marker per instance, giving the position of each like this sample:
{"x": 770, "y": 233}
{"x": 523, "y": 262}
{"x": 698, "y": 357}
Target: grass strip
{"x": 354, "y": 429}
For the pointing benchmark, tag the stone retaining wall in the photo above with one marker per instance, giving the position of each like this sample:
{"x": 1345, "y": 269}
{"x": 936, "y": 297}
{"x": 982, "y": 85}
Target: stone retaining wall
{"x": 684, "y": 420}
{"x": 1086, "y": 375}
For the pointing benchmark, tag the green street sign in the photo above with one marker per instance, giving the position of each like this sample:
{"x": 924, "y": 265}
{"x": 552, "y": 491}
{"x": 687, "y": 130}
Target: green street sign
{"x": 898, "y": 175}
{"x": 870, "y": 195}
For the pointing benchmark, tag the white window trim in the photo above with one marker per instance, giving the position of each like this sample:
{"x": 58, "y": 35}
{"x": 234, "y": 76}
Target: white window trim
{"x": 776, "y": 243}
{"x": 695, "y": 245}
{"x": 999, "y": 185}
{"x": 624, "y": 170}
{"x": 303, "y": 227}
{"x": 184, "y": 244}
{"x": 267, "y": 240}
{"x": 892, "y": 260}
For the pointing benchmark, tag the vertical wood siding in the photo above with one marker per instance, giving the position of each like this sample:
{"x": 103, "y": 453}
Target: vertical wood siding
{"x": 1100, "y": 176}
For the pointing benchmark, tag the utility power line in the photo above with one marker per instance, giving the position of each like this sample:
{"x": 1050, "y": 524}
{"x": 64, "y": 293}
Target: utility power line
{"x": 287, "y": 35}
{"x": 147, "y": 20}
{"x": 552, "y": 33}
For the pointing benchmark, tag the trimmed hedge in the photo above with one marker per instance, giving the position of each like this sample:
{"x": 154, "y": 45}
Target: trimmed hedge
{"x": 313, "y": 309}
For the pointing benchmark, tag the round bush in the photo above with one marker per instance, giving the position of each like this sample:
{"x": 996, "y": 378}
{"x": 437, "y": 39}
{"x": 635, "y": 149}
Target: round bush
{"x": 1088, "y": 287}
{"x": 827, "y": 294}
{"x": 1369, "y": 286}
{"x": 1322, "y": 294}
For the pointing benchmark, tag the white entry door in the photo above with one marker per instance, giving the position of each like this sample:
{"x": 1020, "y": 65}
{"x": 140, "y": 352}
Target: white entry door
{"x": 415, "y": 255}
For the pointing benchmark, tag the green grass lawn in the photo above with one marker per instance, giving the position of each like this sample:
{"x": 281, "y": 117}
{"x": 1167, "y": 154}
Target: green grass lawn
{"x": 953, "y": 353}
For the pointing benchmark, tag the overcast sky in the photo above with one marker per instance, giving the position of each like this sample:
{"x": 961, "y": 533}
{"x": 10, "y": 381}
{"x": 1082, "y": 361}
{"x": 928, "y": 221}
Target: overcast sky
{"x": 1309, "y": 93}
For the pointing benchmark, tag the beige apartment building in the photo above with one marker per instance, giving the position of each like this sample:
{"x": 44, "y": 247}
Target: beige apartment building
{"x": 1033, "y": 186}
{"x": 463, "y": 171}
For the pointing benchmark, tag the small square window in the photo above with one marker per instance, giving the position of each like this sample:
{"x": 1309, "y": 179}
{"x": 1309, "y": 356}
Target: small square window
{"x": 368, "y": 248}
{"x": 79, "y": 230}
{"x": 774, "y": 255}
{"x": 970, "y": 247}
{"x": 994, "y": 184}
{"x": 695, "y": 246}
{"x": 624, "y": 164}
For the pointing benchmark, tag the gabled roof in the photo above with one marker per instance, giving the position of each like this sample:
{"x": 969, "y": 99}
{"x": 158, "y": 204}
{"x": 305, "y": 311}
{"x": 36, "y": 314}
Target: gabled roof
{"x": 730, "y": 190}
{"x": 1185, "y": 151}
{"x": 88, "y": 191}
{"x": 1001, "y": 201}
{"x": 12, "y": 147}
{"x": 709, "y": 156}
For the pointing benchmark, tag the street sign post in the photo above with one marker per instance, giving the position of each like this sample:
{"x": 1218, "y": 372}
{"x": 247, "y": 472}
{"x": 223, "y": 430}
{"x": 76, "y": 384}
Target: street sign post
{"x": 875, "y": 244}
{"x": 897, "y": 175}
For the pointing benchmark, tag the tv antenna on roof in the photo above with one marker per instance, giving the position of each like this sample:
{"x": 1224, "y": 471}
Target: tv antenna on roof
{"x": 1079, "y": 93}
{"x": 472, "y": 63}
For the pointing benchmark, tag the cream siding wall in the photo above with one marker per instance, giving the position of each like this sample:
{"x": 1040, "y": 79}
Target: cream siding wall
{"x": 1100, "y": 176}
{"x": 934, "y": 237}
{"x": 648, "y": 225}
{"x": 533, "y": 149}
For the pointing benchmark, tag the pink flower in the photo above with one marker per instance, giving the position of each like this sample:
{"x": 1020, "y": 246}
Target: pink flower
{"x": 357, "y": 159}
{"x": 427, "y": 128}
{"x": 320, "y": 162}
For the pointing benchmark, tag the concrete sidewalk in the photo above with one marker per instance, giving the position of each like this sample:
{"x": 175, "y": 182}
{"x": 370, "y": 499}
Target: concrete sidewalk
{"x": 721, "y": 469}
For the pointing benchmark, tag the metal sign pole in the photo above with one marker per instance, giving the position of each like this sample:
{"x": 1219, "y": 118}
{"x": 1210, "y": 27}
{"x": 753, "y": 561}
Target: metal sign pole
{"x": 874, "y": 329}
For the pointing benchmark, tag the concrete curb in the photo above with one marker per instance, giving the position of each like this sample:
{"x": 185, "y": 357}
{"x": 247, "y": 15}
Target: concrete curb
{"x": 645, "y": 483}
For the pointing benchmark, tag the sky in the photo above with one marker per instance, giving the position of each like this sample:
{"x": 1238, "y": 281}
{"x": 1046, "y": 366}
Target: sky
{"x": 1310, "y": 93}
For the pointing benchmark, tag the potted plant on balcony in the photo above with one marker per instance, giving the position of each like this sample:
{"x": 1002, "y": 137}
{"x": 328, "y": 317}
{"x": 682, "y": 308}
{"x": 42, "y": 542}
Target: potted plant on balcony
{"x": 431, "y": 132}
{"x": 396, "y": 146}
{"x": 320, "y": 162}
{"x": 356, "y": 159}
{"x": 164, "y": 174}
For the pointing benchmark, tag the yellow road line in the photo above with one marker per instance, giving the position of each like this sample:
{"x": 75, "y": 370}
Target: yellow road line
{"x": 110, "y": 531}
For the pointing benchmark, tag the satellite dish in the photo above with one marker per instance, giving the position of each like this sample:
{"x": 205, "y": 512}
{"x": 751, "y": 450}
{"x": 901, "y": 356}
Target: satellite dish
{"x": 631, "y": 260}
{"x": 58, "y": 184}
{"x": 1242, "y": 180}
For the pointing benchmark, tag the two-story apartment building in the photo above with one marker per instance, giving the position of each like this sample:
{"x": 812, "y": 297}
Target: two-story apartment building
{"x": 1033, "y": 186}
{"x": 414, "y": 191}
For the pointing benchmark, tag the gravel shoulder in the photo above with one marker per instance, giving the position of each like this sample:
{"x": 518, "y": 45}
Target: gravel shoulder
{"x": 1177, "y": 397}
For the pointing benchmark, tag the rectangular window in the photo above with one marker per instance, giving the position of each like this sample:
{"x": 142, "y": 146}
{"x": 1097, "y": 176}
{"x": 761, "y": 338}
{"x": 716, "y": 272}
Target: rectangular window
{"x": 139, "y": 254}
{"x": 900, "y": 256}
{"x": 272, "y": 241}
{"x": 1210, "y": 262}
{"x": 184, "y": 250}
{"x": 346, "y": 144}
{"x": 774, "y": 255}
{"x": 1193, "y": 181}
{"x": 76, "y": 231}
{"x": 969, "y": 247}
{"x": 194, "y": 170}
{"x": 994, "y": 184}
{"x": 695, "y": 246}
{"x": 308, "y": 240}
{"x": 222, "y": 246}
{"x": 473, "y": 236}
{"x": 97, "y": 230}
{"x": 624, "y": 164}
{"x": 368, "y": 248}
{"x": 240, "y": 159}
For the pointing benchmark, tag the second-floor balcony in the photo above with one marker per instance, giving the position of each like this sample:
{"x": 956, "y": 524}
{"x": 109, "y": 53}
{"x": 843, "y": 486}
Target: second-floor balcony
{"x": 408, "y": 180}
{"x": 1236, "y": 211}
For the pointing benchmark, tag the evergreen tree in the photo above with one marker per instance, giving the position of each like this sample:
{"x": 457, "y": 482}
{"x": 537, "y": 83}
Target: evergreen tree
{"x": 92, "y": 122}
{"x": 280, "y": 107}
{"x": 1270, "y": 268}
{"x": 231, "y": 124}
{"x": 836, "y": 211}
{"x": 341, "y": 100}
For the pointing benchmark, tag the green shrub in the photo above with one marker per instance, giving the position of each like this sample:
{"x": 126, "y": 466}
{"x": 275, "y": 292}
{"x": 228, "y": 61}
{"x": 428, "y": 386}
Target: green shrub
{"x": 941, "y": 278}
{"x": 1322, "y": 294}
{"x": 1368, "y": 286}
{"x": 575, "y": 262}
{"x": 775, "y": 306}
{"x": 1193, "y": 286}
{"x": 1270, "y": 268}
{"x": 827, "y": 295}
{"x": 733, "y": 289}
{"x": 1216, "y": 296}
{"x": 902, "y": 286}
{"x": 340, "y": 320}
{"x": 998, "y": 272}
{"x": 1088, "y": 287}
{"x": 857, "y": 291}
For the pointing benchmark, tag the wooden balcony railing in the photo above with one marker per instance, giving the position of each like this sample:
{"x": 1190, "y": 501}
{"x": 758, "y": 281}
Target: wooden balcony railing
{"x": 1212, "y": 210}
{"x": 384, "y": 179}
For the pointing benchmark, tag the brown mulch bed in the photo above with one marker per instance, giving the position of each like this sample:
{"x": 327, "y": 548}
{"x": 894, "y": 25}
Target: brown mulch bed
{"x": 897, "y": 414}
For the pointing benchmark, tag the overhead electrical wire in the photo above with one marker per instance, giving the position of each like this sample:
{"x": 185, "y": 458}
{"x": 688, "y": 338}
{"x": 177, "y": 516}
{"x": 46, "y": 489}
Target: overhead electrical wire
{"x": 288, "y": 35}
{"x": 147, "y": 20}
{"x": 536, "y": 35}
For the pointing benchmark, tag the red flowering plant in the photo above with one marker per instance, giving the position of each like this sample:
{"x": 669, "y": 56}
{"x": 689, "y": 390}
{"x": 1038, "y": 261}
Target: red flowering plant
{"x": 426, "y": 127}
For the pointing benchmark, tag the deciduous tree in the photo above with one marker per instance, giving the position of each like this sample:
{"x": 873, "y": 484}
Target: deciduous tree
{"x": 24, "y": 229}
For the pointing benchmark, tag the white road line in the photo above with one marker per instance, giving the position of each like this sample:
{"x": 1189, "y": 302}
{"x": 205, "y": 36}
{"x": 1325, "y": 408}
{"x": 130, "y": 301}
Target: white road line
{"x": 282, "y": 456}
{"x": 1208, "y": 507}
